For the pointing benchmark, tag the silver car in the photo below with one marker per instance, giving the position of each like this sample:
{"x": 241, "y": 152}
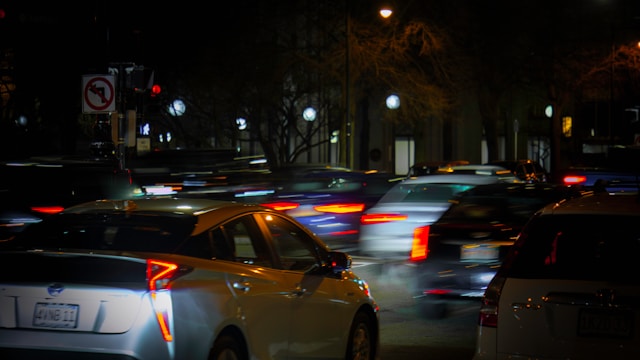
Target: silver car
{"x": 171, "y": 278}
{"x": 569, "y": 287}
{"x": 387, "y": 228}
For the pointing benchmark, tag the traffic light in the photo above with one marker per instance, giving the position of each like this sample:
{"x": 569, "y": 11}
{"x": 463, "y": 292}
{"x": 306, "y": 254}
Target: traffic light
{"x": 155, "y": 90}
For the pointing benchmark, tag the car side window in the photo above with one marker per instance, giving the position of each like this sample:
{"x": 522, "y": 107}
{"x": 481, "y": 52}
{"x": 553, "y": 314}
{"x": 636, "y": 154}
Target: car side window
{"x": 295, "y": 250}
{"x": 240, "y": 240}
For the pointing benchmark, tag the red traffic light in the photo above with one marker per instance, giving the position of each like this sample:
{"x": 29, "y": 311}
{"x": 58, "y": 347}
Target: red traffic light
{"x": 155, "y": 90}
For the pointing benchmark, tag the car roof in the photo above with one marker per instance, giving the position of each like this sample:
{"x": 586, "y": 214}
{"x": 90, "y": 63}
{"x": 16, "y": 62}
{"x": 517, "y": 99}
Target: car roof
{"x": 597, "y": 203}
{"x": 172, "y": 205}
{"x": 208, "y": 211}
{"x": 452, "y": 179}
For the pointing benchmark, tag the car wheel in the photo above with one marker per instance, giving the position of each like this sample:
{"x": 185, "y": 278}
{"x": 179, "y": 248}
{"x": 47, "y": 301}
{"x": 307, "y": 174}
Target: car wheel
{"x": 362, "y": 340}
{"x": 227, "y": 347}
{"x": 432, "y": 309}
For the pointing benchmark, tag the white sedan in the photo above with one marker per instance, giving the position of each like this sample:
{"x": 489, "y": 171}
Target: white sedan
{"x": 170, "y": 278}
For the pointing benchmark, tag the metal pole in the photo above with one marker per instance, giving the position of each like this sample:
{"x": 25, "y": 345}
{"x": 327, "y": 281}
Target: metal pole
{"x": 347, "y": 85}
{"x": 121, "y": 117}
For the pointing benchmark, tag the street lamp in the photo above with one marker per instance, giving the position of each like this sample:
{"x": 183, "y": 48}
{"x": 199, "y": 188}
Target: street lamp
{"x": 385, "y": 12}
{"x": 309, "y": 115}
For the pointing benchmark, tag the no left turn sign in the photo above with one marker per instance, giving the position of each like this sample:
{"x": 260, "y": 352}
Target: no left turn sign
{"x": 98, "y": 94}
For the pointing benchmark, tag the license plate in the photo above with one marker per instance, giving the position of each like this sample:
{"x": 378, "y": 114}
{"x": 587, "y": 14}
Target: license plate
{"x": 479, "y": 252}
{"x": 605, "y": 323}
{"x": 59, "y": 316}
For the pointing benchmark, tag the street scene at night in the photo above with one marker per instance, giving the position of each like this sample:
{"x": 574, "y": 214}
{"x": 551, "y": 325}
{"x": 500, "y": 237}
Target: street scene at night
{"x": 329, "y": 179}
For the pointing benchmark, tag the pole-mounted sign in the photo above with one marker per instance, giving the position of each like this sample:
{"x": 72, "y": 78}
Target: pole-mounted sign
{"x": 98, "y": 94}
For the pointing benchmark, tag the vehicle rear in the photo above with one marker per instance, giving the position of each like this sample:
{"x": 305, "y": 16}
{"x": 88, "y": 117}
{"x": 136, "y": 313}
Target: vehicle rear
{"x": 109, "y": 291}
{"x": 455, "y": 257}
{"x": 330, "y": 203}
{"x": 387, "y": 228}
{"x": 569, "y": 289}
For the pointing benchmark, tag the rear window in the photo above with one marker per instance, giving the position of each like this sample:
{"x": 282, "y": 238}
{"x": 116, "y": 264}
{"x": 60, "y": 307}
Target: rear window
{"x": 429, "y": 192}
{"x": 507, "y": 206}
{"x": 118, "y": 232}
{"x": 590, "y": 247}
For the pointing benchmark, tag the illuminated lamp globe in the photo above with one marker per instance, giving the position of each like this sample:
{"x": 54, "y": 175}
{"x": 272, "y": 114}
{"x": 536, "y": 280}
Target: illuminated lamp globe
{"x": 177, "y": 108}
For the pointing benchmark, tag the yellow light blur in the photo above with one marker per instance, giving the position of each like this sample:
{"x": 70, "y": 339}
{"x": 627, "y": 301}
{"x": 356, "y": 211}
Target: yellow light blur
{"x": 386, "y": 12}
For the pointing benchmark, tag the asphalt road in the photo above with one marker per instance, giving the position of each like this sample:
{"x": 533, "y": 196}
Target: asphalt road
{"x": 404, "y": 334}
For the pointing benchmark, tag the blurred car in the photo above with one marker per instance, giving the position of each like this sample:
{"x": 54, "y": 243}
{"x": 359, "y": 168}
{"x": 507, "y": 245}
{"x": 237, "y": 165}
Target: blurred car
{"x": 330, "y": 202}
{"x": 502, "y": 173}
{"x": 433, "y": 167}
{"x": 171, "y": 278}
{"x": 35, "y": 188}
{"x": 455, "y": 257}
{"x": 386, "y": 229}
{"x": 526, "y": 170}
{"x": 569, "y": 287}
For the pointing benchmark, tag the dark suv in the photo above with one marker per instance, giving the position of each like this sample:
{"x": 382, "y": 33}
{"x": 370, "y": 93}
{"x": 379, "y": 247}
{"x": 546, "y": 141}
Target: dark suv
{"x": 456, "y": 256}
{"x": 34, "y": 188}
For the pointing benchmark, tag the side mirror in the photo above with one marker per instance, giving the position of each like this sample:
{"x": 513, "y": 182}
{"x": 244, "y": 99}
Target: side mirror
{"x": 339, "y": 261}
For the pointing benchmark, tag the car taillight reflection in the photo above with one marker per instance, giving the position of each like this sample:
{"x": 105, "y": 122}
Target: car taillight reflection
{"x": 282, "y": 205}
{"x": 339, "y": 208}
{"x": 47, "y": 209}
{"x": 420, "y": 246}
{"x": 574, "y": 179}
{"x": 367, "y": 219}
{"x": 336, "y": 208}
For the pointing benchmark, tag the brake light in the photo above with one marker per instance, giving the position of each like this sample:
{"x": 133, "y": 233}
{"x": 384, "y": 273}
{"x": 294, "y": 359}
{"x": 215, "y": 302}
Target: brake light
{"x": 47, "y": 209}
{"x": 282, "y": 205}
{"x": 340, "y": 208}
{"x": 367, "y": 219}
{"x": 420, "y": 246}
{"x": 159, "y": 275}
{"x": 574, "y": 179}
{"x": 488, "y": 315}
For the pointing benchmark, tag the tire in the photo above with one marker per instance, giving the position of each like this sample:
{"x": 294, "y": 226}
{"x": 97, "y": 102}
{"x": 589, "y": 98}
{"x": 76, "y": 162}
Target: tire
{"x": 227, "y": 347}
{"x": 362, "y": 339}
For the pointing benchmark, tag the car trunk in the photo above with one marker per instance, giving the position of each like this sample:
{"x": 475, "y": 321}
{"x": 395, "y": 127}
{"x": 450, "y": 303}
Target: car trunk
{"x": 70, "y": 292}
{"x": 557, "y": 318}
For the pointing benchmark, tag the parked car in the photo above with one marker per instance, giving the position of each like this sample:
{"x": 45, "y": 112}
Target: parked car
{"x": 527, "y": 170}
{"x": 455, "y": 257}
{"x": 569, "y": 287}
{"x": 172, "y": 278}
{"x": 386, "y": 229}
{"x": 330, "y": 202}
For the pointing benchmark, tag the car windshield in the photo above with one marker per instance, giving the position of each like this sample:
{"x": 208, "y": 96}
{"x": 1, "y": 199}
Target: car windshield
{"x": 119, "y": 232}
{"x": 424, "y": 192}
{"x": 603, "y": 247}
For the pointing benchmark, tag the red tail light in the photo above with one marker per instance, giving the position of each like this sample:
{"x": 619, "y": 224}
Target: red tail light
{"x": 488, "y": 315}
{"x": 47, "y": 209}
{"x": 574, "y": 179}
{"x": 367, "y": 219}
{"x": 420, "y": 246}
{"x": 340, "y": 208}
{"x": 282, "y": 205}
{"x": 159, "y": 276}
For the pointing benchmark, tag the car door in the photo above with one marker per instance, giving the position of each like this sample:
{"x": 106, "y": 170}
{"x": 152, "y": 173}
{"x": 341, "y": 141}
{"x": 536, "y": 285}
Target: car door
{"x": 318, "y": 311}
{"x": 262, "y": 296}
